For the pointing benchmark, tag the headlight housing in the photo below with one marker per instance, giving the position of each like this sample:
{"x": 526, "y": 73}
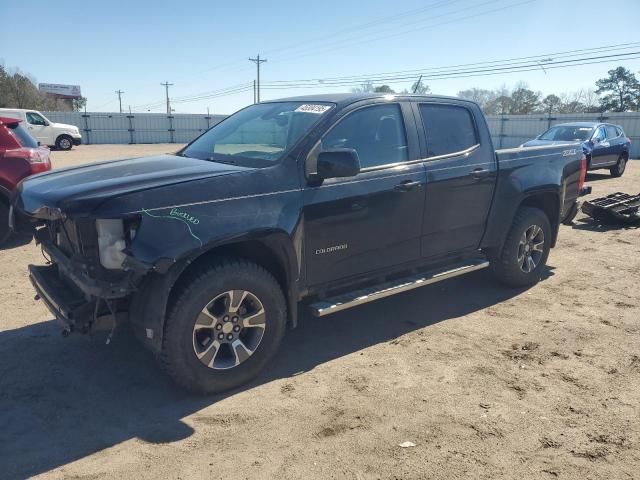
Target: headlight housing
{"x": 111, "y": 243}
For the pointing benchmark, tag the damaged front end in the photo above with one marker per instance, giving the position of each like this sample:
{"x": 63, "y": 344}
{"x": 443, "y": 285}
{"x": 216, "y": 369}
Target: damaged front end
{"x": 91, "y": 275}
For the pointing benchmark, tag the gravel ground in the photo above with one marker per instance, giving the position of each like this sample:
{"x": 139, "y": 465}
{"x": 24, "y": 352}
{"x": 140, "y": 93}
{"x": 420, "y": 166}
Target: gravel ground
{"x": 487, "y": 382}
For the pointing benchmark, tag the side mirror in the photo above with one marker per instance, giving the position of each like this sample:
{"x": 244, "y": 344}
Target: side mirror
{"x": 339, "y": 162}
{"x": 595, "y": 140}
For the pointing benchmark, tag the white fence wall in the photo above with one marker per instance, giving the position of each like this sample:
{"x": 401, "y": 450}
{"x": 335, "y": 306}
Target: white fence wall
{"x": 99, "y": 127}
{"x": 507, "y": 131}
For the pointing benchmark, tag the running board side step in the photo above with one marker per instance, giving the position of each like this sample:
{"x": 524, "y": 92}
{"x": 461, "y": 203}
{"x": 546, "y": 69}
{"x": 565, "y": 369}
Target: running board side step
{"x": 366, "y": 295}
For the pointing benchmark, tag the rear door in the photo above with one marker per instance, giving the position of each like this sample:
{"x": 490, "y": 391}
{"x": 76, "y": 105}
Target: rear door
{"x": 461, "y": 174}
{"x": 616, "y": 142}
{"x": 601, "y": 154}
{"x": 372, "y": 221}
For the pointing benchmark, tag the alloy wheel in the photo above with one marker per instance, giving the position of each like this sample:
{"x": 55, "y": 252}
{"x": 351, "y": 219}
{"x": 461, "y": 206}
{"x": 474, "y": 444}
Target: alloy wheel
{"x": 229, "y": 329}
{"x": 530, "y": 248}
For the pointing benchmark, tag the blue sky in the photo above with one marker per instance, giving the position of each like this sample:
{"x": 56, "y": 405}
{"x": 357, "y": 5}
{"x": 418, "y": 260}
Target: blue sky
{"x": 203, "y": 46}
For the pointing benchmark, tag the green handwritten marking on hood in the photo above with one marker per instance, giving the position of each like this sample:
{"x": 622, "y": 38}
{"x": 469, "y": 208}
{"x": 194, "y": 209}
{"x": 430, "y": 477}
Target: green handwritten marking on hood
{"x": 180, "y": 218}
{"x": 184, "y": 215}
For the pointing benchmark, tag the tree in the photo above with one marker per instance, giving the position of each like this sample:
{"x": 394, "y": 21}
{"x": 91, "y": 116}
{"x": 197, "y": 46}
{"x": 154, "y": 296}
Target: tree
{"x": 501, "y": 105}
{"x": 18, "y": 90}
{"x": 384, "y": 89}
{"x": 419, "y": 88}
{"x": 621, "y": 89}
{"x": 77, "y": 104}
{"x": 482, "y": 97}
{"x": 366, "y": 87}
{"x": 551, "y": 103}
{"x": 523, "y": 100}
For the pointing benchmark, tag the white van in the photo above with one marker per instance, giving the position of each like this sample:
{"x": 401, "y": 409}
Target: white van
{"x": 59, "y": 135}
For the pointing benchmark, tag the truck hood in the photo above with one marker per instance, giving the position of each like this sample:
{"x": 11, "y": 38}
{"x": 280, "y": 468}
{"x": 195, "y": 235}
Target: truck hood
{"x": 65, "y": 126}
{"x": 78, "y": 190}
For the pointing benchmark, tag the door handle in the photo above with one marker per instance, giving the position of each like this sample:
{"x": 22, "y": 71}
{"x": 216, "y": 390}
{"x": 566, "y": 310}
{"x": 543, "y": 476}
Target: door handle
{"x": 480, "y": 173}
{"x": 406, "y": 185}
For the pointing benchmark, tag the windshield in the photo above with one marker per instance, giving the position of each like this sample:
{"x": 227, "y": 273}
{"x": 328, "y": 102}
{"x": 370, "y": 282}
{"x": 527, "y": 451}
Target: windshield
{"x": 259, "y": 135}
{"x": 567, "y": 133}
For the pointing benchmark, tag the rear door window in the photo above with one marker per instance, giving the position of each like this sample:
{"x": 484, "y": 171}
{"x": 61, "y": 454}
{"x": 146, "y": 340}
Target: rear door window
{"x": 449, "y": 128}
{"x": 24, "y": 137}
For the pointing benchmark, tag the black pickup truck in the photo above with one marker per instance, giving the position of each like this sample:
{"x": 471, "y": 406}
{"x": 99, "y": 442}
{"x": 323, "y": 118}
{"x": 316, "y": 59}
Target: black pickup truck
{"x": 336, "y": 200}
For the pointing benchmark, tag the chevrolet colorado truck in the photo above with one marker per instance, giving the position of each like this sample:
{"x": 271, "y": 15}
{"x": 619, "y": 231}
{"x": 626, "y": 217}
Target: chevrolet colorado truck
{"x": 326, "y": 201}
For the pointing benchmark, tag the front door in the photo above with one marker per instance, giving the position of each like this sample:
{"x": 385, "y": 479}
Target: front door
{"x": 461, "y": 175}
{"x": 38, "y": 128}
{"x": 371, "y": 221}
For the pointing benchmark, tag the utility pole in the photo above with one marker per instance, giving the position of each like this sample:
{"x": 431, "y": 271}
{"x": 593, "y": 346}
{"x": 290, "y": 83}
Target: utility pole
{"x": 166, "y": 86}
{"x": 120, "y": 92}
{"x": 257, "y": 61}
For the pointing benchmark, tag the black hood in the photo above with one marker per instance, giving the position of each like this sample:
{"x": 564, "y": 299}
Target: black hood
{"x": 79, "y": 190}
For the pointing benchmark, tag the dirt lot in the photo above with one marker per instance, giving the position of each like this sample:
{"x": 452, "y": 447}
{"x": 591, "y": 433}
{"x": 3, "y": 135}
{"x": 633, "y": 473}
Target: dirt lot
{"x": 488, "y": 382}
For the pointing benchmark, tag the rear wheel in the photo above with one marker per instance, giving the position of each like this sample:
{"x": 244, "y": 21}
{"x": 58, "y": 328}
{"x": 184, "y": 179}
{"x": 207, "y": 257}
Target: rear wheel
{"x": 225, "y": 326}
{"x": 525, "y": 249}
{"x": 64, "y": 142}
{"x": 620, "y": 167}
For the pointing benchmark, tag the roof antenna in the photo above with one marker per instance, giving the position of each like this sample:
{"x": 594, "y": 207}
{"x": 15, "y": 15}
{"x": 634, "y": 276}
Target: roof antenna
{"x": 415, "y": 89}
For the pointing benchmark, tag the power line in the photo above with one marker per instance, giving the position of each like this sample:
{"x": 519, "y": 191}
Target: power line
{"x": 363, "y": 40}
{"x": 494, "y": 67}
{"x": 552, "y": 66}
{"x": 513, "y": 60}
{"x": 257, "y": 61}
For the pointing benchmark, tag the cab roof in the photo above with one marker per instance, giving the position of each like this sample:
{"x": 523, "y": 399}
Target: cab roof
{"x": 344, "y": 99}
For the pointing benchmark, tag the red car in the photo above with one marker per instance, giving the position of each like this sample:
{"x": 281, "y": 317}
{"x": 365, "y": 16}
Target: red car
{"x": 20, "y": 156}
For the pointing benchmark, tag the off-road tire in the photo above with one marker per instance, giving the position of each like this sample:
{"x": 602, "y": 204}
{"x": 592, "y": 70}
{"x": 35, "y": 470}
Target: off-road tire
{"x": 64, "y": 142}
{"x": 5, "y": 231}
{"x": 177, "y": 355}
{"x": 505, "y": 266}
{"x": 620, "y": 166}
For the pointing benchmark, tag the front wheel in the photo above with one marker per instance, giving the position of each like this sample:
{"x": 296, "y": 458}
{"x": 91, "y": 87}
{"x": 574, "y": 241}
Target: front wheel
{"x": 525, "y": 250}
{"x": 226, "y": 324}
{"x": 64, "y": 142}
{"x": 619, "y": 168}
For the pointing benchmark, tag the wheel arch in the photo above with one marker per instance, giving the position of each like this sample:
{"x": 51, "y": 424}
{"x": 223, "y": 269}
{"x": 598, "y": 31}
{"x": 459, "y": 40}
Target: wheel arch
{"x": 273, "y": 252}
{"x": 549, "y": 203}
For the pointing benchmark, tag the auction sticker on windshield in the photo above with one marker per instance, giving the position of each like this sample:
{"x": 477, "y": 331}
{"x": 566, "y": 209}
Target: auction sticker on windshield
{"x": 311, "y": 108}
